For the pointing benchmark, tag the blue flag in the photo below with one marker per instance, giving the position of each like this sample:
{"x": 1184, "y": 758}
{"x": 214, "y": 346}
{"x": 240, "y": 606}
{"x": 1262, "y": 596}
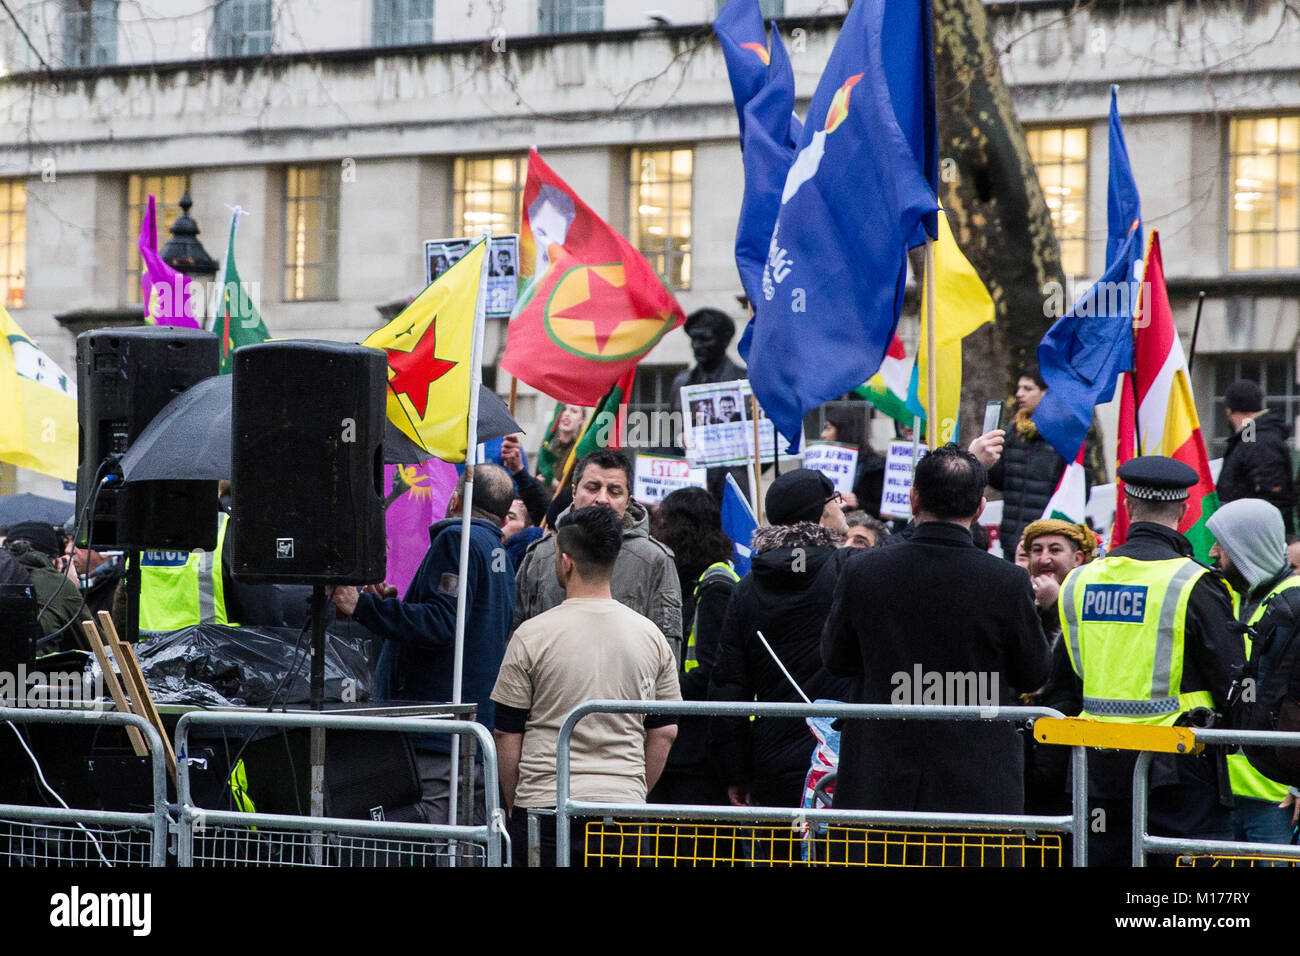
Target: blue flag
{"x": 738, "y": 523}
{"x": 854, "y": 199}
{"x": 770, "y": 135}
{"x": 1083, "y": 353}
{"x": 909, "y": 71}
{"x": 740, "y": 30}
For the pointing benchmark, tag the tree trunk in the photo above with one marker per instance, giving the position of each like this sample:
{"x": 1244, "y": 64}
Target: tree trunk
{"x": 996, "y": 208}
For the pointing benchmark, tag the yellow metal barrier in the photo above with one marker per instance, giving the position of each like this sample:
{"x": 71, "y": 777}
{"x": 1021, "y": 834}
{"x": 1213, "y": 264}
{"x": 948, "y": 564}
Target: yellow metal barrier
{"x": 1084, "y": 732}
{"x": 632, "y": 843}
{"x": 1233, "y": 861}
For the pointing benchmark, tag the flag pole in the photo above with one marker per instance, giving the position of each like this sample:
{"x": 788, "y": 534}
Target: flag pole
{"x": 931, "y": 386}
{"x": 1196, "y": 328}
{"x": 514, "y": 394}
{"x": 466, "y": 506}
{"x": 757, "y": 459}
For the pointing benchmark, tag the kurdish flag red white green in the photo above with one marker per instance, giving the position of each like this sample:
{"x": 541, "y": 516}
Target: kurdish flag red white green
{"x": 1166, "y": 418}
{"x": 1070, "y": 499}
{"x": 887, "y": 389}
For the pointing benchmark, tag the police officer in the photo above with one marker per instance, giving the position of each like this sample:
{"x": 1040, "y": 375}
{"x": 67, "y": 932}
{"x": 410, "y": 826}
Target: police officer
{"x": 1147, "y": 641}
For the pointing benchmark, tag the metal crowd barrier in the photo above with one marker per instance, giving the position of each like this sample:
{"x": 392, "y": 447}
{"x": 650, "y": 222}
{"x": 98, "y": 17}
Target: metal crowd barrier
{"x": 1215, "y": 851}
{"x": 62, "y": 836}
{"x": 987, "y": 839}
{"x": 232, "y": 838}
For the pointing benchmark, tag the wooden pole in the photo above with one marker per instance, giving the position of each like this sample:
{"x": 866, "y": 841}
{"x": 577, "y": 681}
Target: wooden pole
{"x": 758, "y": 459}
{"x": 932, "y": 424}
{"x": 514, "y": 393}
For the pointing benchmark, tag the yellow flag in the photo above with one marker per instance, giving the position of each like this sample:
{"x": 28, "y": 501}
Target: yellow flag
{"x": 38, "y": 406}
{"x": 429, "y": 356}
{"x": 961, "y": 305}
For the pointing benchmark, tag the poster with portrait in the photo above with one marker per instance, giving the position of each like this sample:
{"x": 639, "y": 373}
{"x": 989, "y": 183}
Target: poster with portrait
{"x": 718, "y": 429}
{"x": 503, "y": 268}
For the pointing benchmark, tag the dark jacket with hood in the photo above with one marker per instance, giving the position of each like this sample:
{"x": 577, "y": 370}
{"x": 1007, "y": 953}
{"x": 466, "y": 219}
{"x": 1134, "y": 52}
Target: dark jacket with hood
{"x": 786, "y": 595}
{"x": 1261, "y": 467}
{"x": 1026, "y": 474}
{"x": 644, "y": 578}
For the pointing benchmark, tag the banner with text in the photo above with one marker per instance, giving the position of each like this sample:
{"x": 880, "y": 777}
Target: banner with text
{"x": 835, "y": 460}
{"x": 896, "y": 493}
{"x": 658, "y": 476}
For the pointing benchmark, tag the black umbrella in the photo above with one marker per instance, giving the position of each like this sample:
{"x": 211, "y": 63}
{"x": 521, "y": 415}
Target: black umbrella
{"x": 29, "y": 507}
{"x": 190, "y": 438}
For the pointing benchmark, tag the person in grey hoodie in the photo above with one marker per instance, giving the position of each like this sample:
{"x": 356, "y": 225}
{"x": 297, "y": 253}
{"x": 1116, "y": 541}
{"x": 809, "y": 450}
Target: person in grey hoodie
{"x": 1250, "y": 550}
{"x": 644, "y": 576}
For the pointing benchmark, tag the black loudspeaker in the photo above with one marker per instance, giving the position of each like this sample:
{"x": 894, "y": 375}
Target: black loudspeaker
{"x": 124, "y": 378}
{"x": 307, "y": 503}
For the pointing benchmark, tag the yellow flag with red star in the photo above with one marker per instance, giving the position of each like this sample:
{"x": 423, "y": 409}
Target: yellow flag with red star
{"x": 429, "y": 359}
{"x": 592, "y": 306}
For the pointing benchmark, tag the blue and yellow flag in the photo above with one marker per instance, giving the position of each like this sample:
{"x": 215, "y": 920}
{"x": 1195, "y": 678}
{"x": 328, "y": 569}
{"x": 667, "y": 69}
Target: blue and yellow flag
{"x": 38, "y": 406}
{"x": 855, "y": 198}
{"x": 429, "y": 359}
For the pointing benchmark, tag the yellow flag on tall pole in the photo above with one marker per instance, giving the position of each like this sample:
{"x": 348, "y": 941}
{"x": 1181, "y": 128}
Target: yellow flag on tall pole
{"x": 38, "y": 406}
{"x": 961, "y": 305}
{"x": 429, "y": 347}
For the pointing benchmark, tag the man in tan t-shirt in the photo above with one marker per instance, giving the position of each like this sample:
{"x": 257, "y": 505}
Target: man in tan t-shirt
{"x": 588, "y": 647}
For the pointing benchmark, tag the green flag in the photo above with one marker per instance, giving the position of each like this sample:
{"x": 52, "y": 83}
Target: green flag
{"x": 236, "y": 319}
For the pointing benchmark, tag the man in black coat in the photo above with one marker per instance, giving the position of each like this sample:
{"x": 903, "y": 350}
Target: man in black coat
{"x": 1257, "y": 463}
{"x": 935, "y": 611}
{"x": 786, "y": 595}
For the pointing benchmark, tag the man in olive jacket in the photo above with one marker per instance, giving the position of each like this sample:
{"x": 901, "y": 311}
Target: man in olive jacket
{"x": 644, "y": 576}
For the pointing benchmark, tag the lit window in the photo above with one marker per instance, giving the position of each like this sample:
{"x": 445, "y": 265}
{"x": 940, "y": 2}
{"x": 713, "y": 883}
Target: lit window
{"x": 167, "y": 188}
{"x": 311, "y": 233}
{"x": 89, "y": 33}
{"x": 1061, "y": 157}
{"x": 570, "y": 16}
{"x": 488, "y": 192}
{"x": 241, "y": 28}
{"x": 402, "y": 22}
{"x": 1263, "y": 193}
{"x": 660, "y": 211}
{"x": 13, "y": 242}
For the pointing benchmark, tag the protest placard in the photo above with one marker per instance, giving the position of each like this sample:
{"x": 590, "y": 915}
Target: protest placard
{"x": 836, "y": 460}
{"x": 658, "y": 476}
{"x": 896, "y": 492}
{"x": 503, "y": 268}
{"x": 718, "y": 429}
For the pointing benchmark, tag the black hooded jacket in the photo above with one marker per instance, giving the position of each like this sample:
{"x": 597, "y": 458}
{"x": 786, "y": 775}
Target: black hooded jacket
{"x": 787, "y": 595}
{"x": 1259, "y": 467}
{"x": 1026, "y": 474}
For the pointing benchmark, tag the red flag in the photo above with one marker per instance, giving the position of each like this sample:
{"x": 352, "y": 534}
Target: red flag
{"x": 1164, "y": 407}
{"x": 593, "y": 306}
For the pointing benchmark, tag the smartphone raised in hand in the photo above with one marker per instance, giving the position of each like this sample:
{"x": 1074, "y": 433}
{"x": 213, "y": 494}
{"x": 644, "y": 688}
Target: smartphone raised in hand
{"x": 992, "y": 417}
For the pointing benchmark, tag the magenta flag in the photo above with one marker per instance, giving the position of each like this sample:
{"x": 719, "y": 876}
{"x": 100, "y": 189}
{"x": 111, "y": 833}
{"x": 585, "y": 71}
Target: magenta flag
{"x": 417, "y": 497}
{"x": 168, "y": 295}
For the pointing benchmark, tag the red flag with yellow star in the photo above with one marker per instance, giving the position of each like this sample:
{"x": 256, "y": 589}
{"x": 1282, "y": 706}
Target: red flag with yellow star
{"x": 592, "y": 307}
{"x": 429, "y": 357}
